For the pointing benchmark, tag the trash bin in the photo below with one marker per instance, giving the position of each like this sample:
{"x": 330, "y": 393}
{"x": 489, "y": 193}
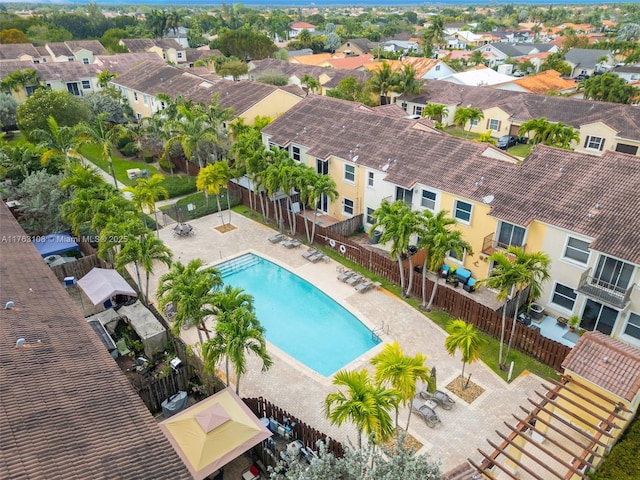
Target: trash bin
{"x": 174, "y": 404}
{"x": 375, "y": 237}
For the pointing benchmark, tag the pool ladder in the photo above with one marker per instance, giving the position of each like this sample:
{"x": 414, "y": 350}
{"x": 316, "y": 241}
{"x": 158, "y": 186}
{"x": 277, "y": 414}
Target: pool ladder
{"x": 382, "y": 329}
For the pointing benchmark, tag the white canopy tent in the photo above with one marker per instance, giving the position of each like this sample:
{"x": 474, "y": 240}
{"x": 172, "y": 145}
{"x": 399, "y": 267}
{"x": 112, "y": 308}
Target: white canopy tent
{"x": 101, "y": 284}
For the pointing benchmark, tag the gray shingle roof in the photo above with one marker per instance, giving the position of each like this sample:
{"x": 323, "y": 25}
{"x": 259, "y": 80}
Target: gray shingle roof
{"x": 123, "y": 62}
{"x": 67, "y": 409}
{"x": 585, "y": 57}
{"x": 607, "y": 362}
{"x": 62, "y": 71}
{"x": 562, "y": 188}
{"x": 12, "y": 51}
{"x": 271, "y": 66}
{"x": 94, "y": 46}
{"x": 625, "y": 119}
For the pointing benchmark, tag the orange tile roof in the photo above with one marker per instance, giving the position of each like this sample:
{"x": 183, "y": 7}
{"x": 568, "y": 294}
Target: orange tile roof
{"x": 302, "y": 25}
{"x": 375, "y": 66}
{"x": 544, "y": 82}
{"x": 315, "y": 59}
{"x": 350, "y": 63}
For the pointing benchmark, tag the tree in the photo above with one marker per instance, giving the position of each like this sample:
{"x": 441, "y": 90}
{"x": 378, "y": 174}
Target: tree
{"x": 22, "y": 79}
{"x": 332, "y": 42}
{"x": 211, "y": 179}
{"x": 435, "y": 32}
{"x": 363, "y": 403}
{"x": 401, "y": 372}
{"x": 322, "y": 187}
{"x": 115, "y": 110}
{"x": 408, "y": 84}
{"x": 399, "y": 223}
{"x": 191, "y": 290}
{"x": 476, "y": 58}
{"x": 464, "y": 337}
{"x": 467, "y": 114}
{"x": 239, "y": 332}
{"x": 143, "y": 251}
{"x": 311, "y": 82}
{"x": 40, "y": 202}
{"x": 438, "y": 239}
{"x": 245, "y": 43}
{"x": 81, "y": 176}
{"x": 547, "y": 133}
{"x": 628, "y": 32}
{"x": 609, "y": 87}
{"x": 435, "y": 111}
{"x": 104, "y": 136}
{"x": 8, "y": 110}
{"x": 157, "y": 23}
{"x": 146, "y": 192}
{"x": 56, "y": 140}
{"x": 350, "y": 89}
{"x": 12, "y": 35}
{"x": 556, "y": 62}
{"x": 233, "y": 69}
{"x": 65, "y": 108}
{"x": 384, "y": 81}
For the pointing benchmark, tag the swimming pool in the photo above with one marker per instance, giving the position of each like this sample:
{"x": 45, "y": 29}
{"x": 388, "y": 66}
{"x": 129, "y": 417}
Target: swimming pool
{"x": 299, "y": 318}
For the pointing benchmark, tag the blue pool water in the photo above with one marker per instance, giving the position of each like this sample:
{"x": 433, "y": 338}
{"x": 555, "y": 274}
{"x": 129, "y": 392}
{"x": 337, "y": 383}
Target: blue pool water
{"x": 299, "y": 318}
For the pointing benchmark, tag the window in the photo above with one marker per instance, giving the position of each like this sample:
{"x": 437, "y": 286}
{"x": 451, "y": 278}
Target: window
{"x": 347, "y": 206}
{"x": 322, "y": 166}
{"x": 86, "y": 84}
{"x": 633, "y": 326}
{"x": 73, "y": 89}
{"x": 139, "y": 116}
{"x": 145, "y": 100}
{"x": 350, "y": 173}
{"x": 594, "y": 143}
{"x": 417, "y": 110}
{"x": 370, "y": 179}
{"x": 474, "y": 122}
{"x": 437, "y": 68}
{"x": 494, "y": 124}
{"x": 370, "y": 219}
{"x": 428, "y": 199}
{"x": 564, "y": 296}
{"x": 613, "y": 274}
{"x": 462, "y": 211}
{"x": 295, "y": 153}
{"x": 29, "y": 89}
{"x": 577, "y": 250}
{"x": 451, "y": 255}
{"x": 71, "y": 59}
{"x": 163, "y": 105}
{"x": 164, "y": 56}
{"x": 36, "y": 61}
{"x": 623, "y": 148}
{"x": 404, "y": 195}
{"x": 179, "y": 54}
{"x": 44, "y": 60}
{"x": 85, "y": 61}
{"x": 135, "y": 96}
{"x": 597, "y": 316}
{"x": 510, "y": 235}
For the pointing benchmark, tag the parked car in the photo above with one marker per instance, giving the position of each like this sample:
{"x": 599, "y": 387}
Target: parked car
{"x": 506, "y": 142}
{"x": 582, "y": 76}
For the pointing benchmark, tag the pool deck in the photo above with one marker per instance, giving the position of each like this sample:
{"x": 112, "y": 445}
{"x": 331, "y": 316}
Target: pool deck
{"x": 301, "y": 391}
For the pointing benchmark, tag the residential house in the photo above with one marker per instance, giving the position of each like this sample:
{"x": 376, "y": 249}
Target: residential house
{"x": 167, "y": 49}
{"x": 582, "y": 213}
{"x": 586, "y": 61}
{"x": 348, "y": 63}
{"x": 602, "y": 126}
{"x": 464, "y": 39}
{"x": 11, "y": 52}
{"x": 629, "y": 73}
{"x": 357, "y": 46}
{"x": 296, "y": 27}
{"x": 315, "y": 59}
{"x": 399, "y": 46}
{"x": 428, "y": 68}
{"x": 123, "y": 62}
{"x": 479, "y": 76}
{"x": 543, "y": 83}
{"x": 144, "y": 82}
{"x": 498, "y": 53}
{"x": 74, "y": 77}
{"x": 83, "y": 51}
{"x": 359, "y": 148}
{"x": 68, "y": 410}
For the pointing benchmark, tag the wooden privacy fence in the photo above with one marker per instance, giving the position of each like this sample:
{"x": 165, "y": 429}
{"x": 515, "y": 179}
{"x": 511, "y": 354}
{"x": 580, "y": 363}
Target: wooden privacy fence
{"x": 158, "y": 390}
{"x": 527, "y": 340}
{"x": 308, "y": 435}
{"x": 79, "y": 268}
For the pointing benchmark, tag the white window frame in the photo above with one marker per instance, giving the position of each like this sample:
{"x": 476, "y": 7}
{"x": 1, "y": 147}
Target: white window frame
{"x": 345, "y": 206}
{"x": 457, "y": 260}
{"x": 474, "y": 122}
{"x": 594, "y": 143}
{"x": 145, "y": 99}
{"x": 349, "y": 170}
{"x": 179, "y": 54}
{"x": 626, "y": 324}
{"x": 571, "y": 259}
{"x": 135, "y": 97}
{"x": 296, "y": 152}
{"x": 559, "y": 307}
{"x": 85, "y": 61}
{"x": 417, "y": 110}
{"x": 422, "y": 199}
{"x": 371, "y": 179}
{"x": 494, "y": 124}
{"x": 369, "y": 216}
{"x": 455, "y": 212}
{"x": 86, "y": 84}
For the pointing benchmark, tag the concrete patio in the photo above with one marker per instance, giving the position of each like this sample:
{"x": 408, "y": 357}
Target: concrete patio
{"x": 301, "y": 391}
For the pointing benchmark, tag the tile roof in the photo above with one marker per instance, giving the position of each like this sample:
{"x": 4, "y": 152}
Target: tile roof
{"x": 67, "y": 409}
{"x": 562, "y": 188}
{"x": 625, "y": 119}
{"x": 94, "y": 46}
{"x": 53, "y": 71}
{"x": 330, "y": 126}
{"x": 545, "y": 82}
{"x": 302, "y": 25}
{"x": 314, "y": 59}
{"x": 13, "y": 51}
{"x": 350, "y": 63}
{"x": 123, "y": 62}
{"x": 271, "y": 66}
{"x": 607, "y": 362}
{"x": 59, "y": 49}
{"x": 363, "y": 44}
{"x": 138, "y": 44}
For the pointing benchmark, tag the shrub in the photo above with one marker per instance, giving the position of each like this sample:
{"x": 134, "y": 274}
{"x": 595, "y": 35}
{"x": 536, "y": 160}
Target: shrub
{"x": 148, "y": 157}
{"x": 166, "y": 164}
{"x": 129, "y": 150}
{"x": 624, "y": 458}
{"x": 179, "y": 185}
{"x": 123, "y": 141}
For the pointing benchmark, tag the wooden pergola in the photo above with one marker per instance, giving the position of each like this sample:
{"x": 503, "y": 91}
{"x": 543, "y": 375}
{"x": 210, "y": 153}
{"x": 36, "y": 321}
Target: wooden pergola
{"x": 564, "y": 435}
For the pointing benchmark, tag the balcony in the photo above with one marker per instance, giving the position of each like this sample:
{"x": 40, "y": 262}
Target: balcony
{"x": 491, "y": 245}
{"x": 604, "y": 292}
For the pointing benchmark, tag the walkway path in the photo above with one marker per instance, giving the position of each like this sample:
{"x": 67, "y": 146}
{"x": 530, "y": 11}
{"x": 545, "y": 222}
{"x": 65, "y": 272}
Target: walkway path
{"x": 302, "y": 391}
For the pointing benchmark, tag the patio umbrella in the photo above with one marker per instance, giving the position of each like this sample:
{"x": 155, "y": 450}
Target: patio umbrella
{"x": 214, "y": 432}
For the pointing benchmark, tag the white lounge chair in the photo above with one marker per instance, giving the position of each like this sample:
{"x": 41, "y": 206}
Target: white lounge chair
{"x": 277, "y": 238}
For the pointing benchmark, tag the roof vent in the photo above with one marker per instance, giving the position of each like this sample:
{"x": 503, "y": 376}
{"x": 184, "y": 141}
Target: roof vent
{"x": 562, "y": 170}
{"x": 590, "y": 216}
{"x": 488, "y": 199}
{"x": 9, "y": 305}
{"x": 21, "y": 342}
{"x": 598, "y": 206}
{"x": 605, "y": 359}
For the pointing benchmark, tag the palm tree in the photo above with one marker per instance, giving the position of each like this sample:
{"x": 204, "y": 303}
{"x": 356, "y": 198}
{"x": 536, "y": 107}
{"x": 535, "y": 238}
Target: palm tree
{"x": 81, "y": 176}
{"x": 464, "y": 337}
{"x": 538, "y": 126}
{"x": 561, "y": 135}
{"x": 364, "y": 403}
{"x": 401, "y": 373}
{"x": 312, "y": 83}
{"x": 435, "y": 111}
{"x": 383, "y": 82}
{"x": 211, "y": 179}
{"x": 104, "y": 136}
{"x": 242, "y": 333}
{"x": 143, "y": 251}
{"x": 191, "y": 289}
{"x": 21, "y": 78}
{"x": 56, "y": 140}
{"x": 323, "y": 186}
{"x": 467, "y": 114}
{"x": 435, "y": 32}
{"x": 399, "y": 223}
{"x": 117, "y": 233}
{"x": 408, "y": 84}
{"x": 438, "y": 239}
{"x": 146, "y": 192}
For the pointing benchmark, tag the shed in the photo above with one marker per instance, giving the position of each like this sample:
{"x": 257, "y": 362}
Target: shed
{"x": 147, "y": 326}
{"x": 55, "y": 244}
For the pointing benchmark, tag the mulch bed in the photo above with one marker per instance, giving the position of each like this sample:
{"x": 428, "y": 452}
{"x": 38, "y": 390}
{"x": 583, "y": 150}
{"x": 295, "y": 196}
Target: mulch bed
{"x": 225, "y": 228}
{"x": 409, "y": 441}
{"x": 468, "y": 394}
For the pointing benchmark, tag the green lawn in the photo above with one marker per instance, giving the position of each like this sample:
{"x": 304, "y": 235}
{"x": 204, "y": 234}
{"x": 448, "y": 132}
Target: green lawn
{"x": 176, "y": 185}
{"x": 202, "y": 207}
{"x": 521, "y": 150}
